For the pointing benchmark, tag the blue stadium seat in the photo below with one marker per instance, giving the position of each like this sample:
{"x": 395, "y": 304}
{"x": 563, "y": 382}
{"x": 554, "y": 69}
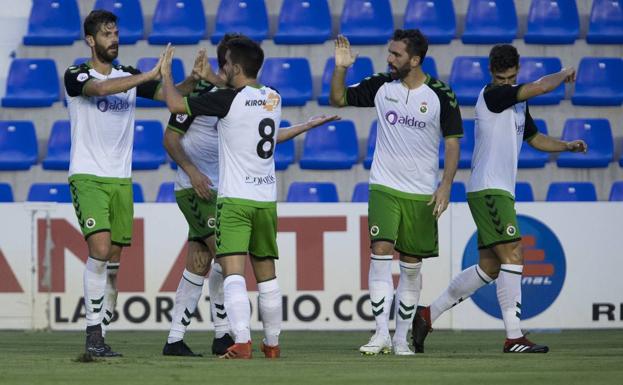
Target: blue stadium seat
{"x": 571, "y": 192}
{"x": 59, "y": 147}
{"x": 303, "y": 22}
{"x": 6, "y": 192}
{"x": 137, "y": 193}
{"x": 616, "y": 192}
{"x": 552, "y": 22}
{"x": 312, "y": 192}
{"x": 145, "y": 64}
{"x": 523, "y": 192}
{"x": 53, "y": 22}
{"x": 31, "y": 83}
{"x": 367, "y": 22}
{"x": 284, "y": 151}
{"x": 469, "y": 74}
{"x": 458, "y": 193}
{"x": 361, "y": 69}
{"x": 148, "y": 152}
{"x": 490, "y": 22}
{"x": 435, "y": 19}
{"x": 529, "y": 157}
{"x": 18, "y": 145}
{"x": 361, "y": 193}
{"x": 130, "y": 14}
{"x": 429, "y": 67}
{"x": 332, "y": 146}
{"x": 248, "y": 17}
{"x": 606, "y": 22}
{"x": 367, "y": 162}
{"x": 597, "y": 135}
{"x": 166, "y": 192}
{"x": 533, "y": 68}
{"x": 290, "y": 76}
{"x": 178, "y": 22}
{"x": 49, "y": 192}
{"x": 599, "y": 82}
{"x": 467, "y": 146}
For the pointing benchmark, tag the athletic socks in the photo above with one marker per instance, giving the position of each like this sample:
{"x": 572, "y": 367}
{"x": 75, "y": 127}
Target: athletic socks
{"x": 94, "y": 280}
{"x": 381, "y": 288}
{"x": 110, "y": 295}
{"x": 407, "y": 297}
{"x": 509, "y": 296}
{"x": 461, "y": 287}
{"x": 217, "y": 301}
{"x": 186, "y": 298}
{"x": 238, "y": 307}
{"x": 270, "y": 304}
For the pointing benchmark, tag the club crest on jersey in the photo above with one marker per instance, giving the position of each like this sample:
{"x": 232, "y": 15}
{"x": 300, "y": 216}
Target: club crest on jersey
{"x": 82, "y": 77}
{"x": 423, "y": 108}
{"x": 374, "y": 230}
{"x": 181, "y": 118}
{"x": 211, "y": 223}
{"x": 511, "y": 230}
{"x": 90, "y": 223}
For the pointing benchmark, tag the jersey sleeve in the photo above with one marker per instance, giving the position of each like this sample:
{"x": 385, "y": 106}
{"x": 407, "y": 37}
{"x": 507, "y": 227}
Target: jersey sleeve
{"x": 75, "y": 79}
{"x": 215, "y": 103}
{"x": 362, "y": 94}
{"x": 530, "y": 129}
{"x": 450, "y": 120}
{"x": 180, "y": 123}
{"x": 499, "y": 98}
{"x": 145, "y": 90}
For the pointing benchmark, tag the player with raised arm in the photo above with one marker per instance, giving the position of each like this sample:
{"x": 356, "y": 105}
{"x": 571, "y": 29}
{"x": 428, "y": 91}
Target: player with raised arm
{"x": 503, "y": 122}
{"x": 415, "y": 112}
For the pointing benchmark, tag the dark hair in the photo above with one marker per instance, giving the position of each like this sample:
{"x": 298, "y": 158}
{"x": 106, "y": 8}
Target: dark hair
{"x": 417, "y": 43}
{"x": 221, "y": 49}
{"x": 95, "y": 19}
{"x": 247, "y": 54}
{"x": 503, "y": 57}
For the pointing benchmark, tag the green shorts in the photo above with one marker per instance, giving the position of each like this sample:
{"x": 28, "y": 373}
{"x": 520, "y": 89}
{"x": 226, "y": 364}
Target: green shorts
{"x": 242, "y": 227}
{"x": 199, "y": 213}
{"x": 403, "y": 219}
{"x": 103, "y": 204}
{"x": 495, "y": 217}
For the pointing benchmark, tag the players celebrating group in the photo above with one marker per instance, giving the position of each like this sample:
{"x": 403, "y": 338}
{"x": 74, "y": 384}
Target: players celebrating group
{"x": 226, "y": 183}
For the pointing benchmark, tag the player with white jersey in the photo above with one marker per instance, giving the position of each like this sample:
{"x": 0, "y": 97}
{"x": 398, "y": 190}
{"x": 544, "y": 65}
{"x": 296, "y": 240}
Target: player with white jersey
{"x": 415, "y": 113}
{"x": 503, "y": 122}
{"x": 101, "y": 101}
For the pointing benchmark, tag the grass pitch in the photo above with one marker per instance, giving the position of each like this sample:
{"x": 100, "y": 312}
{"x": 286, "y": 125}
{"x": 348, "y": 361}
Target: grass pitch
{"x": 576, "y": 357}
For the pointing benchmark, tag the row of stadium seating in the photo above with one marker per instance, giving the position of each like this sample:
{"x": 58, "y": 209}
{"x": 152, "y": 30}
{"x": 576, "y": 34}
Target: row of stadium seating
{"x": 34, "y": 82}
{"x": 57, "y": 22}
{"x": 327, "y": 192}
{"x": 333, "y": 146}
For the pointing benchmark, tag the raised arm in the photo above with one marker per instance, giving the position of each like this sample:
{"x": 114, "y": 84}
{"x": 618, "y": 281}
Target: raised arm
{"x": 288, "y": 133}
{"x": 344, "y": 58}
{"x": 173, "y": 98}
{"x": 546, "y": 84}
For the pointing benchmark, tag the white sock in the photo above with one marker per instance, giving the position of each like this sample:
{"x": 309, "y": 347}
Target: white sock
{"x": 186, "y": 298}
{"x": 509, "y": 296}
{"x": 110, "y": 295}
{"x": 217, "y": 301}
{"x": 381, "y": 288}
{"x": 270, "y": 303}
{"x": 238, "y": 307}
{"x": 407, "y": 297}
{"x": 94, "y": 279}
{"x": 460, "y": 288}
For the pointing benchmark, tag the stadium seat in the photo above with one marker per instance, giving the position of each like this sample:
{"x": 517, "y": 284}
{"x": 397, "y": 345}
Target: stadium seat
{"x": 435, "y": 19}
{"x": 248, "y": 17}
{"x": 616, "y": 192}
{"x": 490, "y": 22}
{"x": 599, "y": 82}
{"x": 367, "y": 162}
{"x": 145, "y": 64}
{"x": 469, "y": 74}
{"x": 18, "y": 145}
{"x": 49, "y": 192}
{"x": 291, "y": 77}
{"x": 523, "y": 192}
{"x": 31, "y": 83}
{"x": 552, "y": 22}
{"x": 166, "y": 192}
{"x": 284, "y": 151}
{"x": 6, "y": 192}
{"x": 458, "y": 193}
{"x": 361, "y": 193}
{"x": 148, "y": 153}
{"x": 597, "y": 135}
{"x": 130, "y": 14}
{"x": 53, "y": 22}
{"x": 366, "y": 22}
{"x": 529, "y": 157}
{"x": 332, "y": 146}
{"x": 178, "y": 22}
{"x": 361, "y": 69}
{"x": 571, "y": 191}
{"x": 606, "y": 22}
{"x": 59, "y": 147}
{"x": 137, "y": 193}
{"x": 429, "y": 67}
{"x": 312, "y": 192}
{"x": 533, "y": 68}
{"x": 467, "y": 146}
{"x": 303, "y": 22}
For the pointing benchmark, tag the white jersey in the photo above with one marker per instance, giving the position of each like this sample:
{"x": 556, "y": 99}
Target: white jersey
{"x": 411, "y": 124}
{"x": 102, "y": 127}
{"x": 249, "y": 118}
{"x": 502, "y": 123}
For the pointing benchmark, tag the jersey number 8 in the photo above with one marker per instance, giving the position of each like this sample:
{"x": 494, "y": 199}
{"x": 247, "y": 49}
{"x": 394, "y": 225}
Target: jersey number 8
{"x": 266, "y": 146}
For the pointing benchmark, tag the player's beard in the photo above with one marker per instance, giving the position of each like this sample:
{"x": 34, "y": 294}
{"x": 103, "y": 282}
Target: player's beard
{"x": 400, "y": 73}
{"x": 107, "y": 54}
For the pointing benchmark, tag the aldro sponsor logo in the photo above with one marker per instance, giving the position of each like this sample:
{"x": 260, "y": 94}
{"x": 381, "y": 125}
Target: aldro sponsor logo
{"x": 113, "y": 104}
{"x": 393, "y": 118}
